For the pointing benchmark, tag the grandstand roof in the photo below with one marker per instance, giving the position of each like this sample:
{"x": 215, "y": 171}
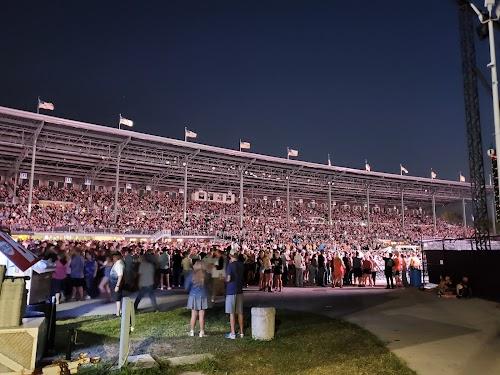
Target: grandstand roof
{"x": 82, "y": 150}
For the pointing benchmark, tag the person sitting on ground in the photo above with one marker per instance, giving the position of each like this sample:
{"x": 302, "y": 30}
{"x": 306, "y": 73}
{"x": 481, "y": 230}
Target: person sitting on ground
{"x": 445, "y": 287}
{"x": 197, "y": 286}
{"x": 463, "y": 288}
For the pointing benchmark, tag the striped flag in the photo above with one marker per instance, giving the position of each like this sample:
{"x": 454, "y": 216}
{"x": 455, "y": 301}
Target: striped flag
{"x": 244, "y": 145}
{"x": 368, "y": 168}
{"x": 433, "y": 174}
{"x": 293, "y": 153}
{"x": 126, "y": 121}
{"x": 461, "y": 178}
{"x": 45, "y": 105}
{"x": 403, "y": 169}
{"x": 189, "y": 133}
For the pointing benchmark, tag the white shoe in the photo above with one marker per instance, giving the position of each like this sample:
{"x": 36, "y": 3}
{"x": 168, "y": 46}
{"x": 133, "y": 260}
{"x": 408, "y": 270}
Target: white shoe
{"x": 202, "y": 334}
{"x": 191, "y": 333}
{"x": 241, "y": 335}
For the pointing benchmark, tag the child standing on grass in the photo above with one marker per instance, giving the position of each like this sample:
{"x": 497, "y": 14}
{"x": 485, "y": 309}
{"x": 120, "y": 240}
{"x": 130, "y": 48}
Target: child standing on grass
{"x": 196, "y": 284}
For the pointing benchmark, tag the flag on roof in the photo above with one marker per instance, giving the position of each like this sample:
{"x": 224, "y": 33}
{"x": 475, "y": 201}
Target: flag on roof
{"x": 126, "y": 121}
{"x": 403, "y": 169}
{"x": 293, "y": 153}
{"x": 45, "y": 105}
{"x": 244, "y": 145}
{"x": 190, "y": 134}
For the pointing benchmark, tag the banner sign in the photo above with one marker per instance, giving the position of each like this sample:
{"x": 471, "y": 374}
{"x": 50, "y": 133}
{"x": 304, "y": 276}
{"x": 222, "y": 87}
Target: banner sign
{"x": 16, "y": 253}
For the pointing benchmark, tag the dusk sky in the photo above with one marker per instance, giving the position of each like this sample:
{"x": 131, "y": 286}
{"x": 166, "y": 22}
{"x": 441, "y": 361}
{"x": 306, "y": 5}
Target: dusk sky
{"x": 380, "y": 82}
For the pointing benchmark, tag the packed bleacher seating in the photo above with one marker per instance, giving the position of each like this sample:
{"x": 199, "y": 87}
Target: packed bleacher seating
{"x": 69, "y": 209}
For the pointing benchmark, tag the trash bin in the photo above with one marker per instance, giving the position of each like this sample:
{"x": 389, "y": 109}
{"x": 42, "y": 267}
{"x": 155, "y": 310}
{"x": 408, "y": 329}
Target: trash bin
{"x": 263, "y": 319}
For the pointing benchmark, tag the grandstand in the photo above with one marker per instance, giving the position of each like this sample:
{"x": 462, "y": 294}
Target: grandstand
{"x": 94, "y": 158}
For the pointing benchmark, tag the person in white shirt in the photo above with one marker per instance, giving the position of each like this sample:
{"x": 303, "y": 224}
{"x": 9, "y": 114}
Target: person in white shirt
{"x": 298, "y": 262}
{"x": 116, "y": 281}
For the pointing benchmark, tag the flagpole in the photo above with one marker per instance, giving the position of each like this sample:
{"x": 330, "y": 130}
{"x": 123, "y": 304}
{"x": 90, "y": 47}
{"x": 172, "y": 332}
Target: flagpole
{"x": 240, "y": 144}
{"x": 288, "y": 153}
{"x": 185, "y": 133}
{"x": 120, "y": 122}
{"x": 38, "y": 106}
{"x": 401, "y": 169}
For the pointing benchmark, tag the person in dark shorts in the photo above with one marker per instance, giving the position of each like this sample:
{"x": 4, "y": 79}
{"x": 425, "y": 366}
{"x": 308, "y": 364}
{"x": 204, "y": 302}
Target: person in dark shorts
{"x": 76, "y": 265}
{"x": 277, "y": 263}
{"x": 234, "y": 293}
{"x": 388, "y": 271}
{"x": 116, "y": 281}
{"x": 356, "y": 269}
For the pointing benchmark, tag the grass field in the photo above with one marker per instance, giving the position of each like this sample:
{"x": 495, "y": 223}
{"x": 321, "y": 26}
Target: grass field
{"x": 304, "y": 344}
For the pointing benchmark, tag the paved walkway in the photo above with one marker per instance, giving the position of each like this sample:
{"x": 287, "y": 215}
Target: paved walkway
{"x": 434, "y": 336}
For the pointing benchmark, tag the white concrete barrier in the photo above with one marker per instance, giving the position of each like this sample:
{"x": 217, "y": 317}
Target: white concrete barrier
{"x": 263, "y": 322}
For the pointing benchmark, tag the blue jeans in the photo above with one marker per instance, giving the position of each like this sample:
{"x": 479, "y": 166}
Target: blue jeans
{"x": 150, "y": 292}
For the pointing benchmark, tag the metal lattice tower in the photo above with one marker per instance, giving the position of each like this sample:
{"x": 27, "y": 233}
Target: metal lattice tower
{"x": 473, "y": 125}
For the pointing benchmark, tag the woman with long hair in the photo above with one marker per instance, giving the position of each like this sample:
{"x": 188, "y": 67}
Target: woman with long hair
{"x": 104, "y": 284}
{"x": 196, "y": 285}
{"x": 277, "y": 263}
{"x": 338, "y": 270}
{"x": 268, "y": 272}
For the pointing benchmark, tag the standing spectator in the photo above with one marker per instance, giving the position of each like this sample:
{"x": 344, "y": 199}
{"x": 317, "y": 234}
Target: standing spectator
{"x": 116, "y": 281}
{"x": 177, "y": 268}
{"x": 76, "y": 274}
{"x": 356, "y": 268}
{"x": 268, "y": 271}
{"x": 277, "y": 263}
{"x": 104, "y": 284}
{"x": 298, "y": 262}
{"x": 187, "y": 265}
{"x": 90, "y": 273}
{"x": 388, "y": 271}
{"x": 339, "y": 270}
{"x": 58, "y": 277}
{"x": 234, "y": 293}
{"x": 348, "y": 268}
{"x": 321, "y": 269}
{"x": 147, "y": 268}
{"x": 196, "y": 285}
{"x": 164, "y": 263}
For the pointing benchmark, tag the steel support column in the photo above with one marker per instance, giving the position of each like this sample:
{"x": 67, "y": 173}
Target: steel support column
{"x": 329, "y": 203}
{"x": 16, "y": 175}
{"x": 434, "y": 211}
{"x": 185, "y": 191}
{"x": 464, "y": 216}
{"x": 402, "y": 211}
{"x": 368, "y": 206}
{"x": 493, "y": 215}
{"x": 288, "y": 200}
{"x": 32, "y": 174}
{"x": 117, "y": 183}
{"x": 241, "y": 200}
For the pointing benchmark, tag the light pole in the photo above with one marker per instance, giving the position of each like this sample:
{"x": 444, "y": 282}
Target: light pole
{"x": 489, "y": 4}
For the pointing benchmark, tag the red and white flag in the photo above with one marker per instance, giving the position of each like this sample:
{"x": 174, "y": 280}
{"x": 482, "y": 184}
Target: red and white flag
{"x": 433, "y": 175}
{"x": 461, "y": 178}
{"x": 126, "y": 121}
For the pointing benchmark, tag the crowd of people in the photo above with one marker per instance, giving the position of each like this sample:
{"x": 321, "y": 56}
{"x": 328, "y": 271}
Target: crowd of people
{"x": 71, "y": 209}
